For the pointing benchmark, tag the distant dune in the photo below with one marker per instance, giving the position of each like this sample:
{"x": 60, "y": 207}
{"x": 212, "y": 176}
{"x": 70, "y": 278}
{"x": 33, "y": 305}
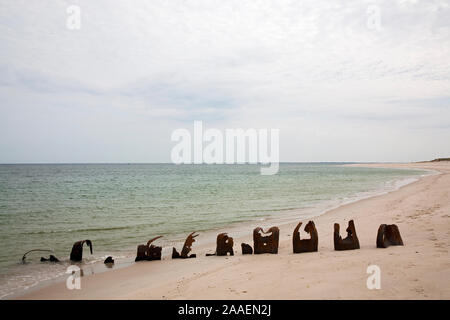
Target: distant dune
{"x": 435, "y": 160}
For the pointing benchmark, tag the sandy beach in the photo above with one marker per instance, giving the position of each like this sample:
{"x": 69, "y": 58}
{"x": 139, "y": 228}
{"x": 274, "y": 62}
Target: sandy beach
{"x": 418, "y": 270}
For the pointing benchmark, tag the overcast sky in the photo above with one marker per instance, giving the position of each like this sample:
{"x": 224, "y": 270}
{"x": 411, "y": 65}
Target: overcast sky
{"x": 339, "y": 83}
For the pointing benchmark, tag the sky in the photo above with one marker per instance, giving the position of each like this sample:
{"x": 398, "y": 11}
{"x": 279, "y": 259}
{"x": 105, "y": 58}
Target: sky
{"x": 341, "y": 80}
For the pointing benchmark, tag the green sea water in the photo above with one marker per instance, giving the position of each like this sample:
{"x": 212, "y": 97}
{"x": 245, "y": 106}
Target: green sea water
{"x": 118, "y": 206}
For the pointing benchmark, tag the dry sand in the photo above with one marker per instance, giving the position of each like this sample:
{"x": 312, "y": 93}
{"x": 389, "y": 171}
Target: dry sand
{"x": 418, "y": 270}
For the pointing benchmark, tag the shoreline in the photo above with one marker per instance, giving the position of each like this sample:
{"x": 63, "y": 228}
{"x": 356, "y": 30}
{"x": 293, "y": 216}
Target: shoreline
{"x": 173, "y": 279}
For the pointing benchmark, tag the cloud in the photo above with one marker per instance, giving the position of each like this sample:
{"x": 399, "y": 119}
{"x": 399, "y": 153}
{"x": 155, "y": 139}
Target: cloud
{"x": 141, "y": 65}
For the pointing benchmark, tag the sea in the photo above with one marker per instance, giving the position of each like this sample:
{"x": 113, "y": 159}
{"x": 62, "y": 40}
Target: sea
{"x": 118, "y": 206}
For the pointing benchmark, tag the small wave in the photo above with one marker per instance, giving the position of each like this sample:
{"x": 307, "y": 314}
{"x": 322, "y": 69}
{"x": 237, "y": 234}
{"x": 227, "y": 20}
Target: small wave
{"x": 92, "y": 229}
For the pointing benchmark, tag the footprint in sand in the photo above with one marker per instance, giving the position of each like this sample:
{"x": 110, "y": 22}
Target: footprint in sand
{"x": 439, "y": 244}
{"x": 410, "y": 265}
{"x": 419, "y": 290}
